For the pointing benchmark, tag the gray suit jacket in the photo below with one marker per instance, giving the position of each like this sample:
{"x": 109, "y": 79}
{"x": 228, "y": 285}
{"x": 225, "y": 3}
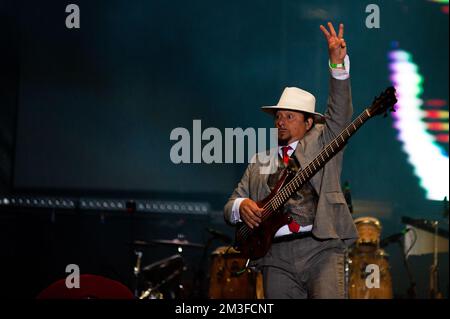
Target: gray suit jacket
{"x": 333, "y": 218}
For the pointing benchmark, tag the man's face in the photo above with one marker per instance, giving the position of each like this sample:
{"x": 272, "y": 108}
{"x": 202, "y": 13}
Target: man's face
{"x": 291, "y": 126}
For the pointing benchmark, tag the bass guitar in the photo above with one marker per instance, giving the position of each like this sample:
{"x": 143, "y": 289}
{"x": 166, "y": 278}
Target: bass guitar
{"x": 254, "y": 243}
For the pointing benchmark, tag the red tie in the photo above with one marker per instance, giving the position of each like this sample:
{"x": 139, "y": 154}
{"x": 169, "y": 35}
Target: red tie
{"x": 294, "y": 226}
{"x": 285, "y": 150}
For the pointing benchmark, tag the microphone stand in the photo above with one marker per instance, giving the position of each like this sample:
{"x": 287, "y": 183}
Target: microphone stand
{"x": 411, "y": 292}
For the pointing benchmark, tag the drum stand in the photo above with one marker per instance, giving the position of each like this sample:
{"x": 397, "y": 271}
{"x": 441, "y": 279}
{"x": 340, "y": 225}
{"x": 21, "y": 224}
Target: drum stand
{"x": 346, "y": 272}
{"x": 434, "y": 269}
{"x": 137, "y": 271}
{"x": 154, "y": 291}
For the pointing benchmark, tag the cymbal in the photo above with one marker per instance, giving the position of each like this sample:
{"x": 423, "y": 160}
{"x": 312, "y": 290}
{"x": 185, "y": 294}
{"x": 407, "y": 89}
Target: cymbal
{"x": 169, "y": 242}
{"x": 177, "y": 242}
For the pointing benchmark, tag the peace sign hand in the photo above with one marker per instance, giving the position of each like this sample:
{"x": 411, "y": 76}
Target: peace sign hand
{"x": 337, "y": 48}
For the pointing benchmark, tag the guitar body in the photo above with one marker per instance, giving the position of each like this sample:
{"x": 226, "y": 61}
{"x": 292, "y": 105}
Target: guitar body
{"x": 255, "y": 243}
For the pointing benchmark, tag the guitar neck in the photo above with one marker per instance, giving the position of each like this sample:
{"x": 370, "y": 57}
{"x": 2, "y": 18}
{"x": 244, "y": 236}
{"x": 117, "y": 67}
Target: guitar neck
{"x": 319, "y": 162}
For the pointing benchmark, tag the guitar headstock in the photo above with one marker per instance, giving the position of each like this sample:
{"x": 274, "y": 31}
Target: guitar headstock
{"x": 384, "y": 103}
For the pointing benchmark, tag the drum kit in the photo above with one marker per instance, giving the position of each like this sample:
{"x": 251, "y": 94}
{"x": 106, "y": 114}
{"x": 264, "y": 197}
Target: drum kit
{"x": 368, "y": 272}
{"x": 229, "y": 277}
{"x": 162, "y": 279}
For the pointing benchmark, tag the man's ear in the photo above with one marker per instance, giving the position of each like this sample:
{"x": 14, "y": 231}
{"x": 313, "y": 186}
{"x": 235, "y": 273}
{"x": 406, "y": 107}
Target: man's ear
{"x": 309, "y": 123}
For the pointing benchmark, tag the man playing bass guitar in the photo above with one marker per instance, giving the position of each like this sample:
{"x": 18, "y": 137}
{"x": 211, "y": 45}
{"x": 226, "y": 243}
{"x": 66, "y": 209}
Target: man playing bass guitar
{"x": 306, "y": 258}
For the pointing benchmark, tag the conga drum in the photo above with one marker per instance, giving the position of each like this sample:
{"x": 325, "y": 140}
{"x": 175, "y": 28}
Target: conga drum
{"x": 369, "y": 232}
{"x": 229, "y": 278}
{"x": 369, "y": 276}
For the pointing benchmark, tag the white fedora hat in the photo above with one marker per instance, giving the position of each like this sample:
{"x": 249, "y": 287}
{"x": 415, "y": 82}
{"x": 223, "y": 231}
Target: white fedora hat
{"x": 295, "y": 99}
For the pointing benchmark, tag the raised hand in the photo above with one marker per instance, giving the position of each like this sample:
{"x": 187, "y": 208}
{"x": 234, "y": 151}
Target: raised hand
{"x": 337, "y": 48}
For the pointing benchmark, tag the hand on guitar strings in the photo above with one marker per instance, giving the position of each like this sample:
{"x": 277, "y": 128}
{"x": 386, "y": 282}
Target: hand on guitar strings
{"x": 250, "y": 213}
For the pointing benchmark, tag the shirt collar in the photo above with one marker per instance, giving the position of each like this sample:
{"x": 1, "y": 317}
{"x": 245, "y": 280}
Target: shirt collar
{"x": 293, "y": 146}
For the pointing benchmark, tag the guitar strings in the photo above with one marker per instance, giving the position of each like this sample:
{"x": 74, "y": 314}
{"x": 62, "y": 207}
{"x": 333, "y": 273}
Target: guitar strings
{"x": 299, "y": 179}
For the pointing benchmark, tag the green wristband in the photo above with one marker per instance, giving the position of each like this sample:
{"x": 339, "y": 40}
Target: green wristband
{"x": 335, "y": 65}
